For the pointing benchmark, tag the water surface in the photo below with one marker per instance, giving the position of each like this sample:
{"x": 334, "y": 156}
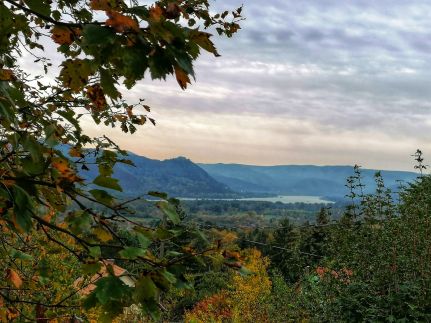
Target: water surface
{"x": 281, "y": 198}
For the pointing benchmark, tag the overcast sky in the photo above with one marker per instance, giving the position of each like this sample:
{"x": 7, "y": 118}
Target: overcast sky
{"x": 304, "y": 82}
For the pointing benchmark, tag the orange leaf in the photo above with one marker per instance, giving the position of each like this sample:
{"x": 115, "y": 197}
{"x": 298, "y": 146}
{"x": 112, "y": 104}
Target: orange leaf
{"x": 62, "y": 35}
{"x": 96, "y": 95}
{"x": 61, "y": 165}
{"x": 182, "y": 77}
{"x": 75, "y": 152}
{"x": 7, "y": 182}
{"x": 12, "y": 313}
{"x": 65, "y": 172}
{"x": 121, "y": 23}
{"x": 156, "y": 13}
{"x": 13, "y": 277}
{"x": 6, "y": 75}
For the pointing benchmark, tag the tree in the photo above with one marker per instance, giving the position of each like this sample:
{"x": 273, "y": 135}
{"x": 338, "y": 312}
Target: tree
{"x": 43, "y": 151}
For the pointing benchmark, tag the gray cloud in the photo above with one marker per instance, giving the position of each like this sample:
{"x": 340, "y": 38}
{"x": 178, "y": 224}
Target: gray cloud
{"x": 357, "y": 71}
{"x": 313, "y": 81}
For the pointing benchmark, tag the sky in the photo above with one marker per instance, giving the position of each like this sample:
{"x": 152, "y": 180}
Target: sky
{"x": 303, "y": 82}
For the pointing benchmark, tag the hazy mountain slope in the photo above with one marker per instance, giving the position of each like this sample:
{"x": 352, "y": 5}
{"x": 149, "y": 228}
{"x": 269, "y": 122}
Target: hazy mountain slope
{"x": 297, "y": 179}
{"x": 178, "y": 177}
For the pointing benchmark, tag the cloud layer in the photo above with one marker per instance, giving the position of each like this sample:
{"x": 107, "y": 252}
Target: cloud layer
{"x": 305, "y": 82}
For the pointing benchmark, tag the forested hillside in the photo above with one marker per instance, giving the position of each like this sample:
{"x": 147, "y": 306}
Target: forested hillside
{"x": 178, "y": 177}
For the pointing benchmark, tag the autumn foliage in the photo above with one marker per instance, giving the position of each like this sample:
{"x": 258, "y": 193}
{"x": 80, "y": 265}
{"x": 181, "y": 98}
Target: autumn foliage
{"x": 245, "y": 302}
{"x": 60, "y": 211}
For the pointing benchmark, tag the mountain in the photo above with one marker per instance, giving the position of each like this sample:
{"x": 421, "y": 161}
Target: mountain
{"x": 298, "y": 179}
{"x": 178, "y": 177}
{"x": 181, "y": 177}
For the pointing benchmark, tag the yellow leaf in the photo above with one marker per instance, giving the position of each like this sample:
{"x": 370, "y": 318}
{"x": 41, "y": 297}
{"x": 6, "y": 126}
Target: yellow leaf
{"x": 102, "y": 234}
{"x": 203, "y": 41}
{"x": 182, "y": 77}
{"x": 13, "y": 277}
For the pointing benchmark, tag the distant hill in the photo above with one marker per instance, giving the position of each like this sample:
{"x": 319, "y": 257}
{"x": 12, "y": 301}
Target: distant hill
{"x": 178, "y": 177}
{"x": 297, "y": 179}
{"x": 181, "y": 177}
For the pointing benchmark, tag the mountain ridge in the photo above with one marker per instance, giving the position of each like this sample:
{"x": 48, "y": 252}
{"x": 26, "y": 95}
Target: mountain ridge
{"x": 181, "y": 177}
{"x": 298, "y": 179}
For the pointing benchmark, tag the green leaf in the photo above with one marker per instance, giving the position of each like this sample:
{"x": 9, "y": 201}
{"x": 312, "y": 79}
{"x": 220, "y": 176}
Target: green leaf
{"x": 132, "y": 252}
{"x": 17, "y": 254}
{"x": 169, "y": 210}
{"x": 168, "y": 276}
{"x": 22, "y": 206}
{"x": 172, "y": 253}
{"x": 75, "y": 73}
{"x": 97, "y": 35}
{"x": 51, "y": 139}
{"x": 185, "y": 62}
{"x": 79, "y": 221}
{"x": 245, "y": 272}
{"x": 95, "y": 252}
{"x": 108, "y": 84}
{"x": 107, "y": 182}
{"x": 161, "y": 195}
{"x": 32, "y": 168}
{"x": 33, "y": 147}
{"x": 44, "y": 269}
{"x": 151, "y": 308}
{"x": 144, "y": 240}
{"x": 145, "y": 289}
{"x": 162, "y": 234}
{"x": 111, "y": 289}
{"x": 91, "y": 268}
{"x": 102, "y": 196}
{"x": 39, "y": 6}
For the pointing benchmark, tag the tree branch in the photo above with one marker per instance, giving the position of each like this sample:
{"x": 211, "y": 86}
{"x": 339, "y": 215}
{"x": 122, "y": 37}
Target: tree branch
{"x": 49, "y": 19}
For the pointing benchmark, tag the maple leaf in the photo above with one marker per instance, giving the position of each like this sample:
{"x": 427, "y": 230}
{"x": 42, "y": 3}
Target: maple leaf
{"x": 75, "y": 152}
{"x": 172, "y": 11}
{"x": 121, "y": 23}
{"x": 75, "y": 73}
{"x": 13, "y": 277}
{"x": 65, "y": 172}
{"x": 182, "y": 77}
{"x": 156, "y": 13}
{"x": 203, "y": 40}
{"x": 62, "y": 35}
{"x": 97, "y": 96}
{"x": 6, "y": 75}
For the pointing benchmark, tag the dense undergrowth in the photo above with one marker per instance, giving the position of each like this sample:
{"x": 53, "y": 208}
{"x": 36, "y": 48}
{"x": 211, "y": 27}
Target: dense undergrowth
{"x": 372, "y": 265}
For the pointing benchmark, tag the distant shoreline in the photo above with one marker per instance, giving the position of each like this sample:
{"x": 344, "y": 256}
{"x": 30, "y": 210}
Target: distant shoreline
{"x": 286, "y": 199}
